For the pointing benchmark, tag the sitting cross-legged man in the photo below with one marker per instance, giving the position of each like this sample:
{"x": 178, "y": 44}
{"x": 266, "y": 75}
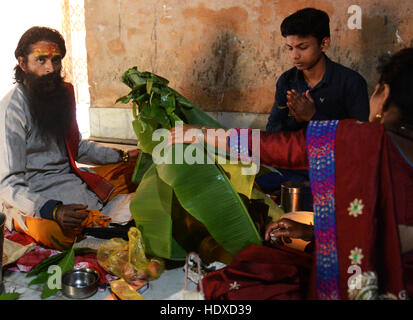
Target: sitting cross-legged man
{"x": 43, "y": 193}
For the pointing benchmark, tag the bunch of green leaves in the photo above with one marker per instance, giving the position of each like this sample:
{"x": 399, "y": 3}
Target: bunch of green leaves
{"x": 156, "y": 105}
{"x": 65, "y": 260}
{"x": 166, "y": 193}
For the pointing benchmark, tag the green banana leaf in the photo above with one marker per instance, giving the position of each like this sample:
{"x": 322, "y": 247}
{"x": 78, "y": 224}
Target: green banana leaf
{"x": 10, "y": 296}
{"x": 170, "y": 195}
{"x": 245, "y": 184}
{"x": 196, "y": 116}
{"x": 143, "y": 163}
{"x": 227, "y": 219}
{"x": 151, "y": 208}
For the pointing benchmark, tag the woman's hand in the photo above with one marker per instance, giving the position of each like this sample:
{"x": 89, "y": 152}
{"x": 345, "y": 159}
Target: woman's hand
{"x": 217, "y": 138}
{"x": 287, "y": 229}
{"x": 186, "y": 134}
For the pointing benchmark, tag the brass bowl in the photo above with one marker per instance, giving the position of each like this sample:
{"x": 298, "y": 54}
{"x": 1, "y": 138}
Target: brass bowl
{"x": 80, "y": 283}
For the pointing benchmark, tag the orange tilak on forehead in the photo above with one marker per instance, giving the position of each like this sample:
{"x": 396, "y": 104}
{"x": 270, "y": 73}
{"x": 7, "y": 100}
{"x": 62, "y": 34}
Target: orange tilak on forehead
{"x": 46, "y": 49}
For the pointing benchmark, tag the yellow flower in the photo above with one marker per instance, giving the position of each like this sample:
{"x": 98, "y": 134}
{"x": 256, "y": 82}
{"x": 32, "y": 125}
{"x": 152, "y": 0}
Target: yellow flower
{"x": 356, "y": 208}
{"x": 356, "y": 256}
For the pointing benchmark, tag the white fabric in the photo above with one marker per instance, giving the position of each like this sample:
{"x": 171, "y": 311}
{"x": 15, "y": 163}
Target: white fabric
{"x": 118, "y": 208}
{"x": 186, "y": 295}
{"x": 32, "y": 171}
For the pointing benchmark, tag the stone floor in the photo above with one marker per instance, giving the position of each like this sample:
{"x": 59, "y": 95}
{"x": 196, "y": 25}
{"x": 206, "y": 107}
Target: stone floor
{"x": 170, "y": 282}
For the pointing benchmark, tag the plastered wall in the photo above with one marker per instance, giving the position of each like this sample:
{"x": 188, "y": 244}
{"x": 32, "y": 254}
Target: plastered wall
{"x": 226, "y": 55}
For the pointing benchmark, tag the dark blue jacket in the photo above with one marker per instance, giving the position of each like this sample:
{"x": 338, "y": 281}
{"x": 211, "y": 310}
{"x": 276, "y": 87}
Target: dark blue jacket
{"x": 341, "y": 94}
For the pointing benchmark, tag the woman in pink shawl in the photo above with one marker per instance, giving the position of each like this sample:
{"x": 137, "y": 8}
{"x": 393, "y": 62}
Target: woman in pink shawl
{"x": 361, "y": 176}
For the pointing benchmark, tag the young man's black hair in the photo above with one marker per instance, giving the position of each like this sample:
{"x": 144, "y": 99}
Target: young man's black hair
{"x": 306, "y": 22}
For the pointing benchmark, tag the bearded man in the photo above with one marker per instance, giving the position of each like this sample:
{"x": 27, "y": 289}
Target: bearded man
{"x": 42, "y": 191}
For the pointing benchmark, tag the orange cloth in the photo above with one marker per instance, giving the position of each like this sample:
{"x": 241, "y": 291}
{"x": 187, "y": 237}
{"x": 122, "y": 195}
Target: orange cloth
{"x": 119, "y": 175}
{"x": 95, "y": 219}
{"x": 42, "y": 230}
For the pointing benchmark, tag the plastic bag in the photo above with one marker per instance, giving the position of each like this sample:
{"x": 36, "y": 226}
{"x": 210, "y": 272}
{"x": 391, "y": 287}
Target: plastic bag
{"x": 127, "y": 259}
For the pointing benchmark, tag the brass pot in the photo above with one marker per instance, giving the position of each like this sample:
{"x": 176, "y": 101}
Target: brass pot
{"x": 292, "y": 196}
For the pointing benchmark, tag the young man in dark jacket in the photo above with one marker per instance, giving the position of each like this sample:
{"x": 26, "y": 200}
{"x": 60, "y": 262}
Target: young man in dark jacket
{"x": 316, "y": 88}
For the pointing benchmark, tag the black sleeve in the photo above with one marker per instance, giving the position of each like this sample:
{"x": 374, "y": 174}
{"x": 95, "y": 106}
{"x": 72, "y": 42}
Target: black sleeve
{"x": 47, "y": 209}
{"x": 357, "y": 99}
{"x": 278, "y": 116}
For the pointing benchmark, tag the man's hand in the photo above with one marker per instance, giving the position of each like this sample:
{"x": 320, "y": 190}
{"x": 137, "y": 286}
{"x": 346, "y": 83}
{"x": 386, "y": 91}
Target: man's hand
{"x": 133, "y": 155}
{"x": 302, "y": 106}
{"x": 286, "y": 229}
{"x": 67, "y": 216}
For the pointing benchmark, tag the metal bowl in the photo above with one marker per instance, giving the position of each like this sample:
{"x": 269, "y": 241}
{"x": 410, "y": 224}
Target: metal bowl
{"x": 80, "y": 283}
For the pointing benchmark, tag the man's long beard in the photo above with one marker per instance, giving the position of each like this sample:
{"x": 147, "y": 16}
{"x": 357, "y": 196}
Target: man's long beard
{"x": 49, "y": 104}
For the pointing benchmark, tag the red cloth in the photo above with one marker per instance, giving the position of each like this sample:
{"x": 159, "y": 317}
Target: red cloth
{"x": 90, "y": 261}
{"x": 32, "y": 258}
{"x": 99, "y": 185}
{"x": 261, "y": 273}
{"x": 368, "y": 167}
{"x": 284, "y": 150}
{"x": 367, "y": 164}
{"x": 20, "y": 238}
